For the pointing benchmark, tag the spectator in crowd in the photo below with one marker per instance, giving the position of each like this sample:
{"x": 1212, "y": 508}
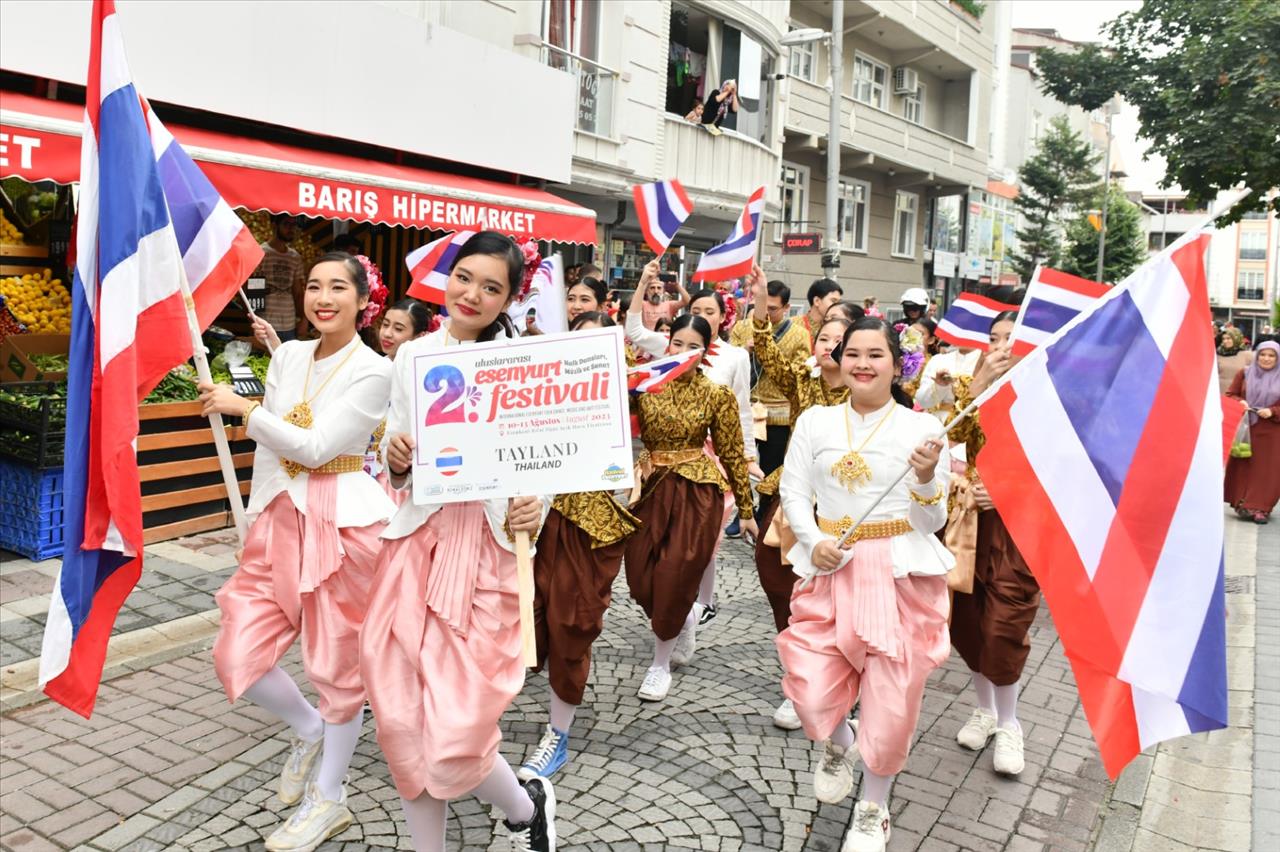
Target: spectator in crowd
{"x": 281, "y": 268}
{"x": 871, "y": 307}
{"x": 1233, "y": 355}
{"x": 1253, "y": 482}
{"x": 720, "y": 103}
{"x": 822, "y": 294}
{"x": 349, "y": 244}
{"x": 915, "y": 301}
{"x": 656, "y": 305}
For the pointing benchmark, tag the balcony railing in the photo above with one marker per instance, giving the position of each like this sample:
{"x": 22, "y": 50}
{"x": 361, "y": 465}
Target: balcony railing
{"x": 1253, "y": 254}
{"x": 597, "y": 88}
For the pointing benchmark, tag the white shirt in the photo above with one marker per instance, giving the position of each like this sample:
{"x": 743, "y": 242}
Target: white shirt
{"x": 930, "y": 394}
{"x": 820, "y": 439}
{"x": 730, "y": 366}
{"x": 410, "y": 516}
{"x": 344, "y": 413}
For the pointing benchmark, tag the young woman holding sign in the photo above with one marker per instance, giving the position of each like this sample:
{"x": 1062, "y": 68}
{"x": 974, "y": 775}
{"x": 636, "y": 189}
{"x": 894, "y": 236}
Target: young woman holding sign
{"x": 681, "y": 505}
{"x": 579, "y": 553}
{"x": 310, "y": 556}
{"x": 869, "y": 622}
{"x": 817, "y": 381}
{"x": 440, "y": 649}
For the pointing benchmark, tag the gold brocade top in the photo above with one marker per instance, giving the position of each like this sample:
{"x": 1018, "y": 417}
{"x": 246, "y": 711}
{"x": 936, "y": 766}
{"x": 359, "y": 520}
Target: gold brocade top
{"x": 681, "y": 417}
{"x": 796, "y": 380}
{"x": 969, "y": 431}
{"x": 598, "y": 515}
{"x": 794, "y": 346}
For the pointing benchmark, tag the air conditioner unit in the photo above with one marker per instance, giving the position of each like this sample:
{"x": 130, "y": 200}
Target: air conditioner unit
{"x": 905, "y": 81}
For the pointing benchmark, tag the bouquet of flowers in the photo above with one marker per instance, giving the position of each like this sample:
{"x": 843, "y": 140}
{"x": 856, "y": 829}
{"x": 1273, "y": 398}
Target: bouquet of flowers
{"x": 911, "y": 341}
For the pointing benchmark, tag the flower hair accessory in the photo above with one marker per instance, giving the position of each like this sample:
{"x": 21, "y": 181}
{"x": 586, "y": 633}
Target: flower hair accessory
{"x": 911, "y": 342}
{"x": 377, "y": 293}
{"x": 532, "y": 260}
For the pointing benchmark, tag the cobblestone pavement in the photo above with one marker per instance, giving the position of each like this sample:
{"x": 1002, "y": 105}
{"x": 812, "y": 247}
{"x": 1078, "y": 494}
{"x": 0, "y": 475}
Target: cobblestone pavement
{"x": 167, "y": 763}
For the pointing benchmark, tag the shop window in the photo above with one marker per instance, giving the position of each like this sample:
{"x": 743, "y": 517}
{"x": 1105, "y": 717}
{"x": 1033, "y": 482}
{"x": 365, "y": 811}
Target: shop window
{"x": 943, "y": 233}
{"x": 793, "y": 198}
{"x": 854, "y": 210}
{"x": 744, "y": 59}
{"x": 571, "y": 42}
{"x": 803, "y": 62}
{"x": 1253, "y": 245}
{"x": 869, "y": 79}
{"x": 906, "y": 208}
{"x": 913, "y": 105}
{"x": 1249, "y": 286}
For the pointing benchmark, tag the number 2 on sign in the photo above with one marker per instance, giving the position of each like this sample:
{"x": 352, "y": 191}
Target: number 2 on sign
{"x": 447, "y": 407}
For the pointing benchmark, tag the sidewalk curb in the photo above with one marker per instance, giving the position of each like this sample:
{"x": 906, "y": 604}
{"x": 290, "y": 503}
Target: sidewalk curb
{"x": 127, "y": 653}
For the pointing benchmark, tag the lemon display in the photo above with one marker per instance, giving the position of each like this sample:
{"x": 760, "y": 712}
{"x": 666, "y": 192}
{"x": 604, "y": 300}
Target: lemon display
{"x": 9, "y": 233}
{"x": 39, "y": 301}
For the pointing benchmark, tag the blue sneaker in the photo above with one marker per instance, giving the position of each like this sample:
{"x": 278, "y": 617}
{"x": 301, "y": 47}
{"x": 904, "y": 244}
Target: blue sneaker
{"x": 551, "y": 754}
{"x": 734, "y": 530}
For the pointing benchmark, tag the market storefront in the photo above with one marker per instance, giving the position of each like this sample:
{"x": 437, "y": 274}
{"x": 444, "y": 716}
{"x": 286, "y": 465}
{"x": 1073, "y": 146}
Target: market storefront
{"x": 390, "y": 209}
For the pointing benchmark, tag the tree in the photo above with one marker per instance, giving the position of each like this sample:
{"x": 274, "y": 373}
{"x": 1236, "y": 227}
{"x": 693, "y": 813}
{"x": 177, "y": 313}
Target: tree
{"x": 1126, "y": 247}
{"x": 1060, "y": 175}
{"x": 1205, "y": 80}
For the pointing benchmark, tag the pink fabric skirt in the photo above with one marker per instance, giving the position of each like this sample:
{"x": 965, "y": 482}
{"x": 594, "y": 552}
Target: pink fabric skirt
{"x": 397, "y": 496}
{"x": 440, "y": 652}
{"x": 277, "y": 594}
{"x": 831, "y": 654}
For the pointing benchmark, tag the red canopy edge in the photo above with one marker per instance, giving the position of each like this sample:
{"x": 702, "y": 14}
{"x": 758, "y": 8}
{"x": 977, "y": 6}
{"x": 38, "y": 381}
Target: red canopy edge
{"x": 40, "y": 140}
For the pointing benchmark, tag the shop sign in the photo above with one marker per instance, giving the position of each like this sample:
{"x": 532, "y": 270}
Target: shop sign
{"x": 588, "y": 99}
{"x": 35, "y": 155}
{"x": 539, "y": 415}
{"x": 944, "y": 264}
{"x": 973, "y": 266}
{"x": 801, "y": 243}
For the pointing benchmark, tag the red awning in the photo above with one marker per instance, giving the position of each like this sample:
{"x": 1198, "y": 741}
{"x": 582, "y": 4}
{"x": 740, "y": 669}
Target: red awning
{"x": 40, "y": 140}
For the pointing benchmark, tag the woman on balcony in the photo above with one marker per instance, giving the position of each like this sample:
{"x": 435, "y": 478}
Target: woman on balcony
{"x": 719, "y": 104}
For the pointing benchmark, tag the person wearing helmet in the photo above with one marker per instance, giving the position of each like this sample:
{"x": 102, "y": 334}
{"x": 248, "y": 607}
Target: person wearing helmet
{"x": 915, "y": 301}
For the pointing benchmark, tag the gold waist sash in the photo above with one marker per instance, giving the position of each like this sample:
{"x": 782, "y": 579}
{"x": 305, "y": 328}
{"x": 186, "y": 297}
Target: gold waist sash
{"x": 671, "y": 458}
{"x": 869, "y": 529}
{"x": 341, "y": 464}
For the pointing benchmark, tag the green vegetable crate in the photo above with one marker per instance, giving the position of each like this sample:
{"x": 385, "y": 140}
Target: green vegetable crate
{"x": 33, "y": 423}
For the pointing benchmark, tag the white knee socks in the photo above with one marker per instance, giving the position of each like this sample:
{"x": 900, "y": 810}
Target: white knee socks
{"x": 986, "y": 692}
{"x": 875, "y": 788}
{"x": 662, "y": 648}
{"x": 707, "y": 588}
{"x": 1006, "y": 700}
{"x": 276, "y": 692}
{"x": 425, "y": 817}
{"x": 503, "y": 791}
{"x": 562, "y": 713}
{"x": 339, "y": 744}
{"x": 843, "y": 734}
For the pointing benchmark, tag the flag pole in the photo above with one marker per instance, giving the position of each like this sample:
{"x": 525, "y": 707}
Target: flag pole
{"x": 215, "y": 419}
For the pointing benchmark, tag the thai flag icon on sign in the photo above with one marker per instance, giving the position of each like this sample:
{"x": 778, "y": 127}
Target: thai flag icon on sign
{"x": 448, "y": 461}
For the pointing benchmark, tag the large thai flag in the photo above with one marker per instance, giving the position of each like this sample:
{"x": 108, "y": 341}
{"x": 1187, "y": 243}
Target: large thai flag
{"x": 662, "y": 208}
{"x": 1053, "y": 299}
{"x": 968, "y": 321}
{"x": 429, "y": 266}
{"x": 655, "y": 375}
{"x": 147, "y": 216}
{"x": 733, "y": 257}
{"x": 1105, "y": 458}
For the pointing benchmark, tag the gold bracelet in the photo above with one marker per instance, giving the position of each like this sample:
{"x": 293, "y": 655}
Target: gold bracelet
{"x": 253, "y": 406}
{"x": 928, "y": 501}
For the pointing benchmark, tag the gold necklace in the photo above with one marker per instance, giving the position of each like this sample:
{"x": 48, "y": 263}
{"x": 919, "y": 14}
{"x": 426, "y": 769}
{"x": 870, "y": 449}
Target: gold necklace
{"x": 300, "y": 415}
{"x": 852, "y": 469}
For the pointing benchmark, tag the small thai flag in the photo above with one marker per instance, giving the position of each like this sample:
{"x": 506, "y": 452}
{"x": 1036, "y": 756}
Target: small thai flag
{"x": 430, "y": 266}
{"x": 449, "y": 461}
{"x": 662, "y": 208}
{"x": 656, "y": 375}
{"x": 1053, "y": 299}
{"x": 968, "y": 321}
{"x": 733, "y": 257}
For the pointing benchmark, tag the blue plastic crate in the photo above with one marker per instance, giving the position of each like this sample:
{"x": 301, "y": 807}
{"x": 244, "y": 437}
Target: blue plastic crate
{"x": 30, "y": 510}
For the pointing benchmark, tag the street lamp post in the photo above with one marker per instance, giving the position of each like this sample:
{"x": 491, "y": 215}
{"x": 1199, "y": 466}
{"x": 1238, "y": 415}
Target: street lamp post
{"x": 1109, "y": 109}
{"x": 835, "y": 66}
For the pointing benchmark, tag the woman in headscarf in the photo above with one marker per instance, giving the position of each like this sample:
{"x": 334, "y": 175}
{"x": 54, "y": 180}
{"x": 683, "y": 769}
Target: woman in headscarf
{"x": 1253, "y": 483}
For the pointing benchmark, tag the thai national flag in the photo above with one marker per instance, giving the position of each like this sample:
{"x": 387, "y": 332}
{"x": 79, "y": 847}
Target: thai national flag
{"x": 1053, "y": 299}
{"x": 655, "y": 375}
{"x": 147, "y": 216}
{"x": 733, "y": 257}
{"x": 662, "y": 208}
{"x": 1105, "y": 458}
{"x": 430, "y": 266}
{"x": 968, "y": 321}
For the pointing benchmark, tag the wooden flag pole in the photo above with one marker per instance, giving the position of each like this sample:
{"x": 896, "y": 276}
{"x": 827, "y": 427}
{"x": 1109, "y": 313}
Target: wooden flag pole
{"x": 524, "y": 577}
{"x": 215, "y": 420}
{"x": 248, "y": 306}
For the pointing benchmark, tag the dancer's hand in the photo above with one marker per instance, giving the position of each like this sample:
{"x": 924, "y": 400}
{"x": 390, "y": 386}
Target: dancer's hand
{"x": 400, "y": 454}
{"x": 221, "y": 399}
{"x": 750, "y": 531}
{"x": 754, "y": 470}
{"x": 924, "y": 459}
{"x": 826, "y": 555}
{"x": 981, "y": 497}
{"x": 524, "y": 514}
{"x": 264, "y": 333}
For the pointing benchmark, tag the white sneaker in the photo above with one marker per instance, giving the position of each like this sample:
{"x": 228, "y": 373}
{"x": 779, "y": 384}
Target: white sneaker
{"x": 686, "y": 641}
{"x": 297, "y": 770}
{"x": 657, "y": 682}
{"x": 785, "y": 717}
{"x": 833, "y": 779}
{"x": 315, "y": 821}
{"x": 978, "y": 730}
{"x": 870, "y": 829}
{"x": 1008, "y": 759}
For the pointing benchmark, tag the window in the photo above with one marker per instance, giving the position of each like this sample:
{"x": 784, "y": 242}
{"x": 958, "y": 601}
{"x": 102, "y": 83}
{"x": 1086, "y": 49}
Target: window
{"x": 746, "y": 60}
{"x": 1021, "y": 58}
{"x": 793, "y": 191}
{"x": 1253, "y": 245}
{"x": 803, "y": 63}
{"x": 913, "y": 105}
{"x": 571, "y": 36}
{"x": 573, "y": 26}
{"x": 855, "y": 200}
{"x": 906, "y": 207}
{"x": 1255, "y": 214}
{"x": 1249, "y": 285}
{"x": 869, "y": 79}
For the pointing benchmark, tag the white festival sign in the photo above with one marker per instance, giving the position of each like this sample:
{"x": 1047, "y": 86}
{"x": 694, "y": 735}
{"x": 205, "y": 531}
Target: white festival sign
{"x": 546, "y": 414}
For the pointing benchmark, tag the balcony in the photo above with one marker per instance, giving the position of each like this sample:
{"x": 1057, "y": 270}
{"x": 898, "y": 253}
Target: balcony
{"x": 717, "y": 171}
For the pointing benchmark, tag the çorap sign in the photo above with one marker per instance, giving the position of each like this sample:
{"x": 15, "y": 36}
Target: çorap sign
{"x": 537, "y": 415}
{"x": 808, "y": 243}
